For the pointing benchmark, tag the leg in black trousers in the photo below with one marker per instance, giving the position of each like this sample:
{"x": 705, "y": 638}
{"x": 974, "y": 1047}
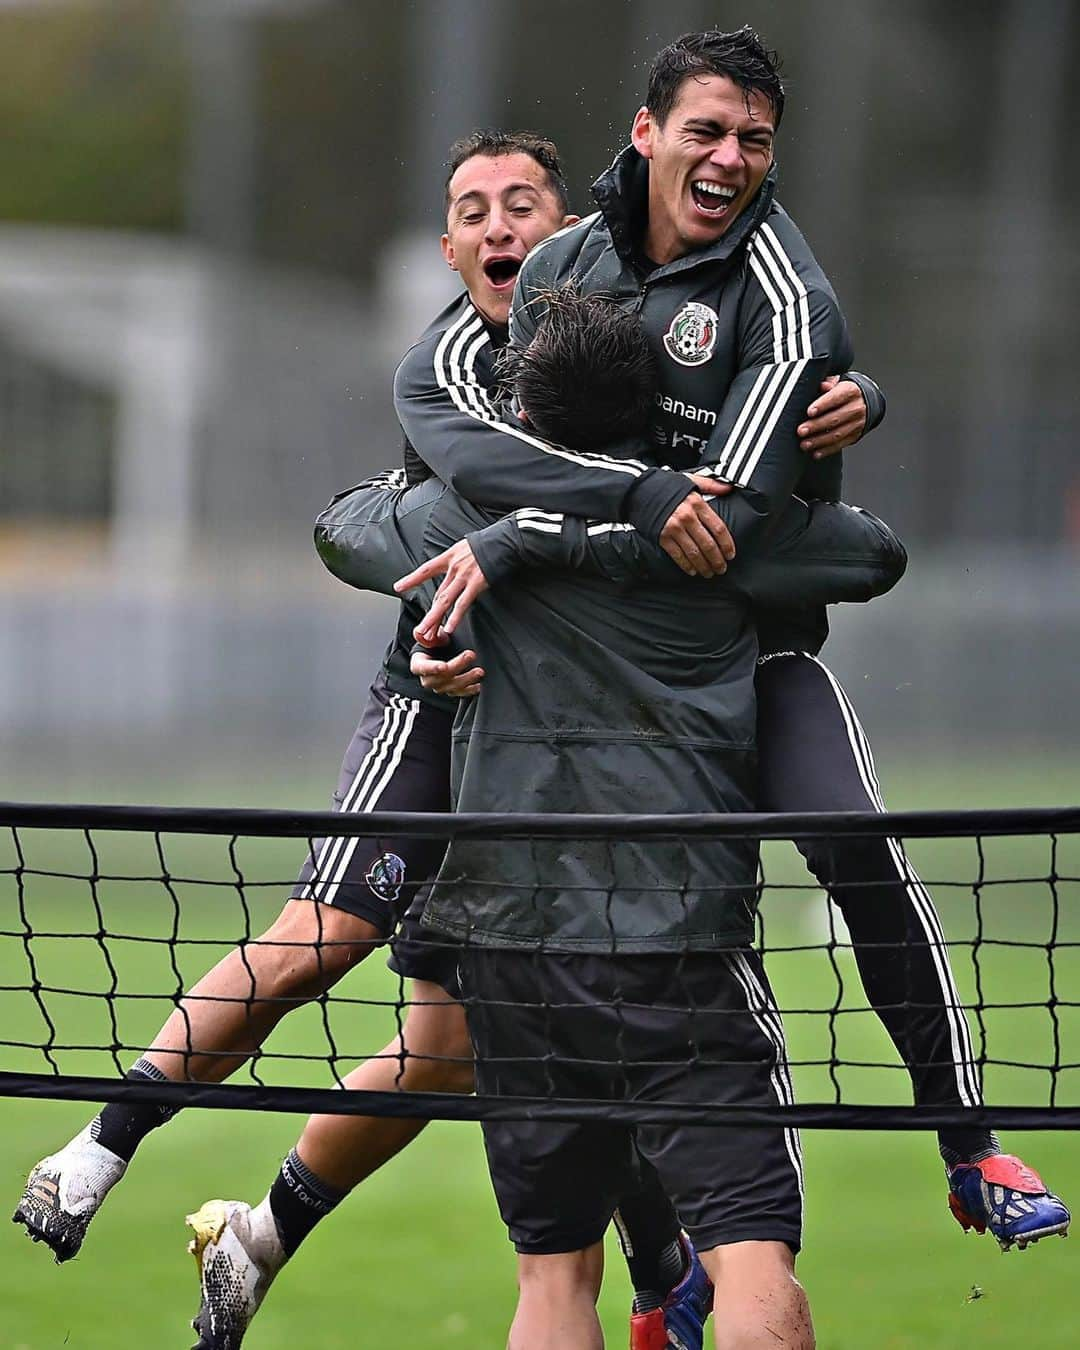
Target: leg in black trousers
{"x": 814, "y": 756}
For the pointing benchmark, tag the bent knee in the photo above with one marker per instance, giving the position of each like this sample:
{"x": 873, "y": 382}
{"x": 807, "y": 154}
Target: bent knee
{"x": 562, "y": 1275}
{"x": 436, "y": 1041}
{"x": 438, "y": 1075}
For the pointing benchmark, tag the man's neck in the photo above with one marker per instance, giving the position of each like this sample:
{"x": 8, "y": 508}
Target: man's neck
{"x": 661, "y": 243}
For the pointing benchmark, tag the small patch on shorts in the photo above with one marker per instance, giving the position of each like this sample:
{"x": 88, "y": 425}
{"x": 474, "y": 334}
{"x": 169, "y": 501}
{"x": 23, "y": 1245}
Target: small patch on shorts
{"x": 386, "y": 877}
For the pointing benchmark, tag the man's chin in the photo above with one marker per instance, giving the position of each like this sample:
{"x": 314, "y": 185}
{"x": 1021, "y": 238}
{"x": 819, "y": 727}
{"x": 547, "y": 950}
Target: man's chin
{"x": 707, "y": 231}
{"x": 494, "y": 305}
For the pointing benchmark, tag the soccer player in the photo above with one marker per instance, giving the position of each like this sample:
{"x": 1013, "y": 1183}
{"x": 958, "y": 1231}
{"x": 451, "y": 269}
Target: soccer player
{"x": 505, "y": 194}
{"x": 587, "y": 378}
{"x": 615, "y": 699}
{"x": 689, "y": 233}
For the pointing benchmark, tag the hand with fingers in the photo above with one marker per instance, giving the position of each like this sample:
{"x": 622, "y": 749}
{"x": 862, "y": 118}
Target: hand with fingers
{"x": 695, "y": 537}
{"x": 835, "y": 419}
{"x": 456, "y": 678}
{"x": 462, "y": 582}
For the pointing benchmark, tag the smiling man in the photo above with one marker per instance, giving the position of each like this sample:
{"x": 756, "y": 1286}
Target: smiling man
{"x": 706, "y": 162}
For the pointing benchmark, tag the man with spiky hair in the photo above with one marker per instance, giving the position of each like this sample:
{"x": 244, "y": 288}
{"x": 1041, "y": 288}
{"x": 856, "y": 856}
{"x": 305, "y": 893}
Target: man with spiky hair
{"x": 625, "y": 686}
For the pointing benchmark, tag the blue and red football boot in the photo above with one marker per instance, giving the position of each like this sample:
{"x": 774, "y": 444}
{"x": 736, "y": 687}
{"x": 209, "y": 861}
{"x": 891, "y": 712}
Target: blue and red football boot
{"x": 679, "y": 1324}
{"x": 1005, "y": 1195}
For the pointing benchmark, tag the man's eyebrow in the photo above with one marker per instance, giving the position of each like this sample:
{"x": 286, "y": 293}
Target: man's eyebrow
{"x": 476, "y": 195}
{"x": 467, "y": 198}
{"x": 714, "y": 128}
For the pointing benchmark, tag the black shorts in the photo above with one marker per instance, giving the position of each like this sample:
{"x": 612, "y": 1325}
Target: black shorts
{"x": 418, "y": 953}
{"x": 700, "y": 1029}
{"x": 397, "y": 760}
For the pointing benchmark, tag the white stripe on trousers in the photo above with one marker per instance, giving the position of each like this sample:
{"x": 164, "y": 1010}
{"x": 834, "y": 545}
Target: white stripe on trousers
{"x": 967, "y": 1083}
{"x": 375, "y": 771}
{"x": 766, "y": 1015}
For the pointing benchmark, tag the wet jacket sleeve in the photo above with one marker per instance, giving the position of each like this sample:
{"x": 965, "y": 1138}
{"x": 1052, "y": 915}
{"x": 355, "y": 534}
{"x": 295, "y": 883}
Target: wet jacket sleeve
{"x": 818, "y": 553}
{"x": 373, "y": 534}
{"x": 791, "y": 335}
{"x": 445, "y": 406}
{"x": 873, "y": 397}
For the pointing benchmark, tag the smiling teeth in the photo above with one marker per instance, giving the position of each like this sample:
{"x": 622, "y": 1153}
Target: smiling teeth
{"x": 715, "y": 190}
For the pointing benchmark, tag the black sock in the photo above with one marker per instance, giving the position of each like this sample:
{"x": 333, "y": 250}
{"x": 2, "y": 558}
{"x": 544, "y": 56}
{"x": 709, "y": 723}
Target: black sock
{"x": 298, "y": 1200}
{"x": 121, "y": 1127}
{"x": 648, "y": 1229}
{"x": 967, "y": 1146}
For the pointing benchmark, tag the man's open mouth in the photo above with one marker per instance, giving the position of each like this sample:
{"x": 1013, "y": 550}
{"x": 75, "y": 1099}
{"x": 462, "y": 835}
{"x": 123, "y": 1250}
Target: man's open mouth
{"x": 502, "y": 271}
{"x": 711, "y": 198}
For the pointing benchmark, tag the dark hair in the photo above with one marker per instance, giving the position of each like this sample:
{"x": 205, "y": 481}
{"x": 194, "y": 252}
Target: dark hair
{"x": 741, "y": 56}
{"x": 588, "y": 378}
{"x": 495, "y": 144}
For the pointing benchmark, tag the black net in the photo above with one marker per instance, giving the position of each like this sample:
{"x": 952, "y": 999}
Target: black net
{"x": 924, "y": 969}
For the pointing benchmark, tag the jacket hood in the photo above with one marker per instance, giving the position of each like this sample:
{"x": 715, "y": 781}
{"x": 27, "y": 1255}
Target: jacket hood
{"x": 622, "y": 193}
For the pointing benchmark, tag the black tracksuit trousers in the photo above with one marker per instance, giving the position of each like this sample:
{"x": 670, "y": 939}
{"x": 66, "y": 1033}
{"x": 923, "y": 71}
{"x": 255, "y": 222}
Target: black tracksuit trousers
{"x": 814, "y": 756}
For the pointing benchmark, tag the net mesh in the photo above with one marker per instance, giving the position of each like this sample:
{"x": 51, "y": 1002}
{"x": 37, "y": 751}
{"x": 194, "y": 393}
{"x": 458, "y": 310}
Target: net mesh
{"x": 109, "y": 916}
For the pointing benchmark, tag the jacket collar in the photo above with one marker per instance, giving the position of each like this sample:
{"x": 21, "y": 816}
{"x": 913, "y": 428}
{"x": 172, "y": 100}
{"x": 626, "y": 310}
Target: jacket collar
{"x": 622, "y": 193}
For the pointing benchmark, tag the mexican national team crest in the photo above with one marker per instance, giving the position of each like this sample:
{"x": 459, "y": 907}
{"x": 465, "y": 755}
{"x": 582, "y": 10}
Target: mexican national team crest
{"x": 691, "y": 338}
{"x": 385, "y": 877}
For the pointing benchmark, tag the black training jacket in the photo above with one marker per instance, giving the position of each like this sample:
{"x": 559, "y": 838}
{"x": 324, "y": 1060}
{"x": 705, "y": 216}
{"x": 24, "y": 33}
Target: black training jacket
{"x": 444, "y": 399}
{"x": 744, "y": 333}
{"x": 614, "y": 684}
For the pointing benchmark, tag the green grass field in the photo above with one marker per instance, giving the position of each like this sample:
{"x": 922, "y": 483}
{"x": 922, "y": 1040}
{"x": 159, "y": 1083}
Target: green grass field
{"x": 418, "y": 1256}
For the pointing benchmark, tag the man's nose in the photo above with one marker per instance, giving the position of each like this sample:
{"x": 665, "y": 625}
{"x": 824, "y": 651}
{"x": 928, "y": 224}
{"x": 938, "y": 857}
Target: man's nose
{"x": 727, "y": 153}
{"x": 498, "y": 226}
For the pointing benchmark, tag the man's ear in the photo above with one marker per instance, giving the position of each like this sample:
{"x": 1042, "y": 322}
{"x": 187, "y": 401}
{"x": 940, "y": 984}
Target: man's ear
{"x": 569, "y": 220}
{"x": 448, "y": 252}
{"x": 641, "y": 133}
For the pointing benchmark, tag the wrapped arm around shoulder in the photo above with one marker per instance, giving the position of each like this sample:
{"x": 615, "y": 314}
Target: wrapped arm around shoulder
{"x": 818, "y": 553}
{"x": 445, "y": 407}
{"x": 791, "y": 336}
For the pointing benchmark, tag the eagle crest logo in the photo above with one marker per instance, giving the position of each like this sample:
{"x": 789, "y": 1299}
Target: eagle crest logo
{"x": 386, "y": 876}
{"x": 691, "y": 336}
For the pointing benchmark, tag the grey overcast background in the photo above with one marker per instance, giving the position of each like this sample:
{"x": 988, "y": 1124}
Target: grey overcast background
{"x": 218, "y": 230}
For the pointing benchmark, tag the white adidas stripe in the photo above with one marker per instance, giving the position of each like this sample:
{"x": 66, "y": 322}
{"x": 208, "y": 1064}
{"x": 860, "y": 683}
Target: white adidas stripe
{"x": 779, "y": 307}
{"x": 750, "y": 463}
{"x": 328, "y": 862}
{"x": 792, "y": 349}
{"x": 454, "y": 366}
{"x": 777, "y": 254}
{"x": 761, "y": 412}
{"x": 369, "y": 782}
{"x": 959, "y": 1032}
{"x": 384, "y": 767}
{"x": 786, "y": 292}
{"x": 540, "y": 526}
{"x": 608, "y": 527}
{"x": 325, "y": 866}
{"x": 767, "y": 1018}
